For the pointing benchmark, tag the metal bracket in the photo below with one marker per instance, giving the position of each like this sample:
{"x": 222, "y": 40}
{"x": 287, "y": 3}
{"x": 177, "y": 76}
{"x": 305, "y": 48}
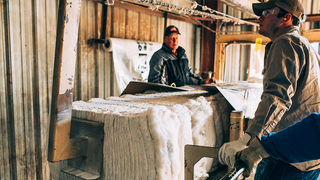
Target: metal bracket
{"x": 192, "y": 154}
{"x": 88, "y": 167}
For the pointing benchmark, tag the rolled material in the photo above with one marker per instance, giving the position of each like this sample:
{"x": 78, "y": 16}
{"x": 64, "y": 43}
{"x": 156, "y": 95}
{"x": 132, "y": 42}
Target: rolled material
{"x": 130, "y": 59}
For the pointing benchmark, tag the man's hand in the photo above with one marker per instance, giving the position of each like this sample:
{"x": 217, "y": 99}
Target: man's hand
{"x": 252, "y": 155}
{"x": 227, "y": 153}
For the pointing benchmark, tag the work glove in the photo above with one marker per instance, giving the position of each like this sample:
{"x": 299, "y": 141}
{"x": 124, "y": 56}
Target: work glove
{"x": 251, "y": 156}
{"x": 227, "y": 153}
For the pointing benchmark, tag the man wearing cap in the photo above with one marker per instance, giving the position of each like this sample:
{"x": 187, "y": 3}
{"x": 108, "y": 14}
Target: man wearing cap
{"x": 291, "y": 87}
{"x": 170, "y": 65}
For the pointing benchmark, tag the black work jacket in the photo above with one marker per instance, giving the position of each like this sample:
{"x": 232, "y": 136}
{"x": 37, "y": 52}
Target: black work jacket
{"x": 169, "y": 68}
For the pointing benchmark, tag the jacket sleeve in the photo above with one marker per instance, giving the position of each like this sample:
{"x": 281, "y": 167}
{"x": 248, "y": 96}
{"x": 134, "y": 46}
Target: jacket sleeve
{"x": 156, "y": 67}
{"x": 297, "y": 143}
{"x": 198, "y": 79}
{"x": 283, "y": 66}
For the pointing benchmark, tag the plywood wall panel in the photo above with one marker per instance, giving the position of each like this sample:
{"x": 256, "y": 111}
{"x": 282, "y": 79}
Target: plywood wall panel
{"x": 129, "y": 25}
{"x": 144, "y": 27}
{"x": 109, "y": 21}
{"x": 122, "y": 23}
{"x": 91, "y": 69}
{"x": 135, "y": 25}
{"x": 83, "y": 52}
{"x": 153, "y": 29}
{"x": 115, "y": 22}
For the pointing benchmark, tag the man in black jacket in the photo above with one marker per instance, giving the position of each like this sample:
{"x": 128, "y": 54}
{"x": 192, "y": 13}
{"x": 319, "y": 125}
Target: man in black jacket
{"x": 170, "y": 65}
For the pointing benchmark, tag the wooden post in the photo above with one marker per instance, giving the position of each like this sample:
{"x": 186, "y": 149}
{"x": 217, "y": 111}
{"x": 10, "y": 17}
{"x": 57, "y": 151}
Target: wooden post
{"x": 60, "y": 145}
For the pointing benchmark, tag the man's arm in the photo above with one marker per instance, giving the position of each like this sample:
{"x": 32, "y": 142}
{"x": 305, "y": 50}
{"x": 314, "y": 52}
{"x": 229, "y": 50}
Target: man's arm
{"x": 197, "y": 78}
{"x": 297, "y": 143}
{"x": 155, "y": 65}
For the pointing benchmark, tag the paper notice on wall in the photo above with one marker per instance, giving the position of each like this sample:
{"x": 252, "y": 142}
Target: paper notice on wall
{"x": 131, "y": 60}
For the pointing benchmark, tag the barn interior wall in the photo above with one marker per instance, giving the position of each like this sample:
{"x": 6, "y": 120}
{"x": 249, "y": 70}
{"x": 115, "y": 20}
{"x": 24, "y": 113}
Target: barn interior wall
{"x": 27, "y": 49}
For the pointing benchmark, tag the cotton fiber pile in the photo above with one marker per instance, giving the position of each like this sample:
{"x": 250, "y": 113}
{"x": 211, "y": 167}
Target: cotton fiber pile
{"x": 145, "y": 134}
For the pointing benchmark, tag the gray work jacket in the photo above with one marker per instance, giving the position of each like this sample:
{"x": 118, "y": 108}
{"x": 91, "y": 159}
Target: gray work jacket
{"x": 290, "y": 85}
{"x": 167, "y": 68}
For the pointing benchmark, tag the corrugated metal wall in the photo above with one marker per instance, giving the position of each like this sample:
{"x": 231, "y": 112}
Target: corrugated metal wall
{"x": 27, "y": 48}
{"x": 27, "y": 39}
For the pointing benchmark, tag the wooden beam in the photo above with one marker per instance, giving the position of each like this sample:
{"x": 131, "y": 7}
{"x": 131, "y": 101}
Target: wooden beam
{"x": 313, "y": 18}
{"x": 312, "y": 35}
{"x": 310, "y": 18}
{"x": 145, "y": 9}
{"x": 241, "y": 38}
{"x": 208, "y": 41}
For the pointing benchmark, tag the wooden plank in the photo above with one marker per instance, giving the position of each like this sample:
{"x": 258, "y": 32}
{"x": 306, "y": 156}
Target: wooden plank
{"x": 129, "y": 25}
{"x": 160, "y": 29}
{"x": 135, "y": 25}
{"x": 115, "y": 22}
{"x": 4, "y": 141}
{"x": 241, "y": 38}
{"x": 154, "y": 29}
{"x": 109, "y": 20}
{"x": 144, "y": 27}
{"x": 91, "y": 69}
{"x": 83, "y": 51}
{"x": 137, "y": 8}
{"x": 98, "y": 22}
{"x": 142, "y": 8}
{"x": 100, "y": 54}
{"x": 312, "y": 35}
{"x": 122, "y": 23}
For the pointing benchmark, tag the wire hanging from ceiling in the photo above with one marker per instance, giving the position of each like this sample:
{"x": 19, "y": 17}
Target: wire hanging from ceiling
{"x": 205, "y": 13}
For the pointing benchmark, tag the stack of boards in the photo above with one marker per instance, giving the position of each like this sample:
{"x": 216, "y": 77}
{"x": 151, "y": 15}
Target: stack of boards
{"x": 145, "y": 133}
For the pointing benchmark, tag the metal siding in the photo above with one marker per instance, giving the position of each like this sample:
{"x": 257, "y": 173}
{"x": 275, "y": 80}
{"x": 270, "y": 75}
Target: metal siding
{"x": 27, "y": 66}
{"x": 4, "y": 139}
{"x": 27, "y": 47}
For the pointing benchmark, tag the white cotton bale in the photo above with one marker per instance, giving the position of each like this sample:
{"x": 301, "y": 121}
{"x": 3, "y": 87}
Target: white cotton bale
{"x": 145, "y": 134}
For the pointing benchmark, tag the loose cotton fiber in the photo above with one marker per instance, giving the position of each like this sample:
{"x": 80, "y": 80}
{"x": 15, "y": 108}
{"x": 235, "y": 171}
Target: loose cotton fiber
{"x": 145, "y": 134}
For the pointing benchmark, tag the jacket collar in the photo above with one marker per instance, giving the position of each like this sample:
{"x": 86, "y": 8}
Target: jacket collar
{"x": 290, "y": 29}
{"x": 180, "y": 50}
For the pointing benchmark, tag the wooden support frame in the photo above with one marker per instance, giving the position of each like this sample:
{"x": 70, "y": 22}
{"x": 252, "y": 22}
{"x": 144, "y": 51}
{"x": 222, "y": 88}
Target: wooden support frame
{"x": 76, "y": 140}
{"x": 61, "y": 147}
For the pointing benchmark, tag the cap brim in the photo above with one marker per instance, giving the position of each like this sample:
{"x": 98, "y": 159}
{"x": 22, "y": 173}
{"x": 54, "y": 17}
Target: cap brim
{"x": 172, "y": 33}
{"x": 258, "y": 8}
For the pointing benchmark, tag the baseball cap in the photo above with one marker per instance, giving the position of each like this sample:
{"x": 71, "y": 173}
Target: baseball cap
{"x": 292, "y": 6}
{"x": 171, "y": 29}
